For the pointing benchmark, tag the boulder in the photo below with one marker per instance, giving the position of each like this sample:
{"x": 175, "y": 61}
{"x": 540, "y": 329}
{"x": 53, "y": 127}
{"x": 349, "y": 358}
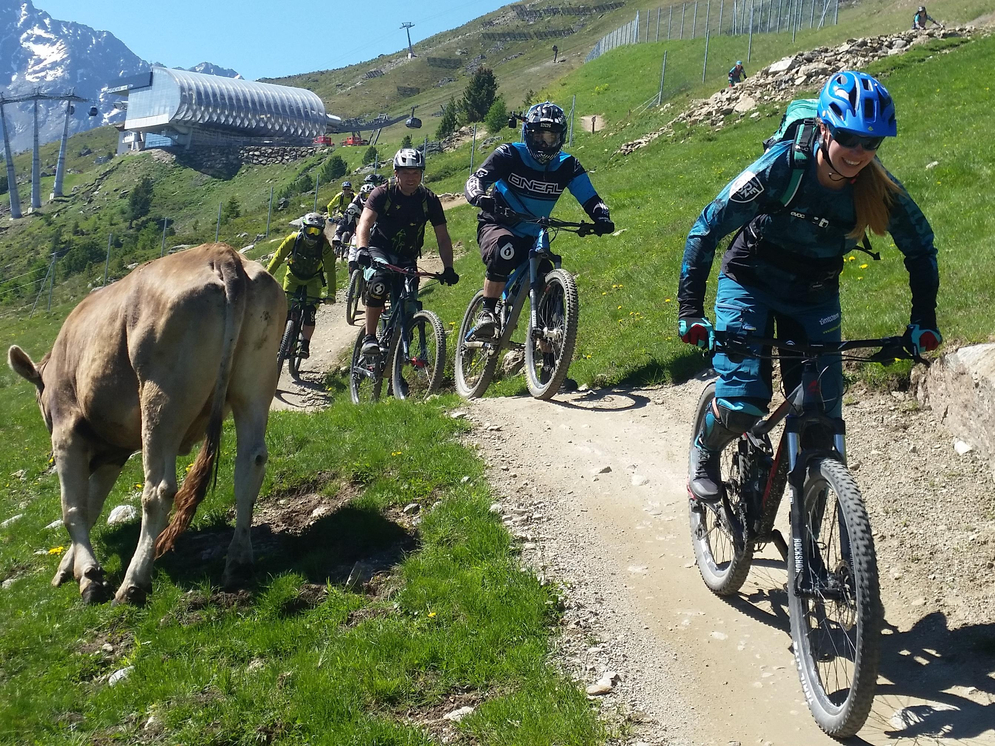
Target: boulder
{"x": 960, "y": 389}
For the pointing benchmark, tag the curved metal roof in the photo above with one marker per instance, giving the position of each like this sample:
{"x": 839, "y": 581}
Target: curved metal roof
{"x": 244, "y": 106}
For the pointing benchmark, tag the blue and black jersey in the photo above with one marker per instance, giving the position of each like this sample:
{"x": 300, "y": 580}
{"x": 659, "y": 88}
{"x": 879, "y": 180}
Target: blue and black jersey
{"x": 531, "y": 188}
{"x": 797, "y": 251}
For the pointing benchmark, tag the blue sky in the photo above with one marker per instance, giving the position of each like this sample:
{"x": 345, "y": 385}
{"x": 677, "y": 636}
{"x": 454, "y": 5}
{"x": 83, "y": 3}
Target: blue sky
{"x": 266, "y": 39}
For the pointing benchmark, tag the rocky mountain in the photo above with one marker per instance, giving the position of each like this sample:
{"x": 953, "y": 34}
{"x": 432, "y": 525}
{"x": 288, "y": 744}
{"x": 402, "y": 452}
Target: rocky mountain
{"x": 38, "y": 52}
{"x": 209, "y": 68}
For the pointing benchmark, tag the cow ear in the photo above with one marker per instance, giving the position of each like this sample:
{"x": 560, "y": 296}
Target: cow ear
{"x": 21, "y": 364}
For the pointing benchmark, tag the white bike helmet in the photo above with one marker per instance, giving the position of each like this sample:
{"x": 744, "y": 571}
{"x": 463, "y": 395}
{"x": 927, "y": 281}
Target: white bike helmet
{"x": 409, "y": 158}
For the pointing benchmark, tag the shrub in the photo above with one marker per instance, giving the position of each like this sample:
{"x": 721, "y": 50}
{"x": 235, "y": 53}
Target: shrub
{"x": 450, "y": 119}
{"x": 334, "y": 168}
{"x": 370, "y": 155}
{"x": 479, "y": 94}
{"x": 497, "y": 116}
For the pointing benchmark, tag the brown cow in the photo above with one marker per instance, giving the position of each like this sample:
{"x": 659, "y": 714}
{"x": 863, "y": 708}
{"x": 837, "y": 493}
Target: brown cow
{"x": 154, "y": 362}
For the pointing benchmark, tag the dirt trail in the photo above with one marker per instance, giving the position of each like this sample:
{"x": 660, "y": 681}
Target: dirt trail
{"x": 696, "y": 669}
{"x": 594, "y": 485}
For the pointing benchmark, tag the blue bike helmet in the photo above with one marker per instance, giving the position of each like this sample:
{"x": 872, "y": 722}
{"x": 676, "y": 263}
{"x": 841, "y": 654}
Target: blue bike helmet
{"x": 858, "y": 103}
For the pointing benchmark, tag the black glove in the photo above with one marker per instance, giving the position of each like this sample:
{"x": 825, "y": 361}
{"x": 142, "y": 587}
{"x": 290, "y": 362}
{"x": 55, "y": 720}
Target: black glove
{"x": 488, "y": 203}
{"x": 364, "y": 258}
{"x": 603, "y": 227}
{"x": 449, "y": 276}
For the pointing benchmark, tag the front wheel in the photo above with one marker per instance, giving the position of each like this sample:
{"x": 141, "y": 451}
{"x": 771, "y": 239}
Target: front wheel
{"x": 365, "y": 373}
{"x": 723, "y": 561}
{"x": 476, "y": 360}
{"x": 419, "y": 373}
{"x": 353, "y": 296}
{"x": 288, "y": 348}
{"x": 836, "y": 614}
{"x": 549, "y": 346}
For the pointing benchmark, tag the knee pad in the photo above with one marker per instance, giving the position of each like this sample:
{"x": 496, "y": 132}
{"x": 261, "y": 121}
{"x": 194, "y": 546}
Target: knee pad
{"x": 378, "y": 290}
{"x": 309, "y": 314}
{"x": 739, "y": 416}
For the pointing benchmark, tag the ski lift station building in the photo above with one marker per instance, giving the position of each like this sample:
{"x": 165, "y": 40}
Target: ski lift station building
{"x": 167, "y": 108}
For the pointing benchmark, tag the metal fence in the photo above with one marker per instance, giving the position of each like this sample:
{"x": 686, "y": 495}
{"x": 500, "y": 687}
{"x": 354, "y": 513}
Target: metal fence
{"x": 703, "y": 18}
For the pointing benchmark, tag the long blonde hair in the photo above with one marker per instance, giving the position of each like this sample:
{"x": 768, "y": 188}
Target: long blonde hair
{"x": 874, "y": 193}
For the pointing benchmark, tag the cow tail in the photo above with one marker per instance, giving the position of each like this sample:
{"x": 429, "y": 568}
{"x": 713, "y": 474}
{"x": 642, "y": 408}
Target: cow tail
{"x": 204, "y": 471}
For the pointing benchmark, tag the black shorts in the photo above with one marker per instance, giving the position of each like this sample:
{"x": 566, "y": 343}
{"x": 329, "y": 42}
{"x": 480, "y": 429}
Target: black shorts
{"x": 378, "y": 288}
{"x": 501, "y": 250}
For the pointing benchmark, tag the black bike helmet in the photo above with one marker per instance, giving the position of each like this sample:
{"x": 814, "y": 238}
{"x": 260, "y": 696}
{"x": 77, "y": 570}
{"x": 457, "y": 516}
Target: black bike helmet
{"x": 544, "y": 131}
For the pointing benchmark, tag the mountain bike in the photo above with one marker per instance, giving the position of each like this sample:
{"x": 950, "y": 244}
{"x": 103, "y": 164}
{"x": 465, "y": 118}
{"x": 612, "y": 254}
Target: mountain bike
{"x": 290, "y": 343}
{"x": 552, "y": 327}
{"x": 354, "y": 295}
{"x": 412, "y": 341}
{"x": 833, "y": 593}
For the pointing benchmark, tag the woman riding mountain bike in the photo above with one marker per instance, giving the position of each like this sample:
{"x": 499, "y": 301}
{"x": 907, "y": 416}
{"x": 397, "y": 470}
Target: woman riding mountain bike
{"x": 783, "y": 265}
{"x": 782, "y": 268}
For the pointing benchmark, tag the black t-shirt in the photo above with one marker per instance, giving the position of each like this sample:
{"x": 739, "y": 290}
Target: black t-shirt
{"x": 400, "y": 226}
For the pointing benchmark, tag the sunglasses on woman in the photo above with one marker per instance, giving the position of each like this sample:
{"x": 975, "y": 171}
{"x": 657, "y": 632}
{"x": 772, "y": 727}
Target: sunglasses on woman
{"x": 847, "y": 139}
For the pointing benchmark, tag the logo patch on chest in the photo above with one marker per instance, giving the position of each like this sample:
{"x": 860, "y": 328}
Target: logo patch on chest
{"x": 535, "y": 186}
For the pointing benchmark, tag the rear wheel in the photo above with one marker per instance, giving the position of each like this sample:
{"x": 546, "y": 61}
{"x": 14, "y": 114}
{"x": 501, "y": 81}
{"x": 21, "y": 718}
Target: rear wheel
{"x": 836, "y": 622}
{"x": 365, "y": 373}
{"x": 476, "y": 360}
{"x": 723, "y": 567}
{"x": 419, "y": 373}
{"x": 354, "y": 295}
{"x": 287, "y": 347}
{"x": 549, "y": 346}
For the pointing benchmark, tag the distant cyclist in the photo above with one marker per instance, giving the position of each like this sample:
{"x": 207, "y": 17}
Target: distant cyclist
{"x": 341, "y": 200}
{"x": 310, "y": 262}
{"x": 922, "y": 18}
{"x": 737, "y": 73}
{"x": 392, "y": 228}
{"x": 347, "y": 225}
{"x": 374, "y": 178}
{"x": 528, "y": 177}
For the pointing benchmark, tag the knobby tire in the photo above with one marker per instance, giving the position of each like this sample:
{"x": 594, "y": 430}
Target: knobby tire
{"x": 421, "y": 374}
{"x": 287, "y": 347}
{"x": 837, "y": 660}
{"x": 474, "y": 368}
{"x": 353, "y": 296}
{"x": 723, "y": 567}
{"x": 365, "y": 375}
{"x": 556, "y": 317}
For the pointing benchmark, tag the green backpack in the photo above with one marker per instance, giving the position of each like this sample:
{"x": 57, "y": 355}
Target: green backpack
{"x": 800, "y": 126}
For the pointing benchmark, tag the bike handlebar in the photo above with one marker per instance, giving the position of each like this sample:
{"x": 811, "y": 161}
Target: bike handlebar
{"x": 406, "y": 270}
{"x": 889, "y": 348}
{"x": 581, "y": 229}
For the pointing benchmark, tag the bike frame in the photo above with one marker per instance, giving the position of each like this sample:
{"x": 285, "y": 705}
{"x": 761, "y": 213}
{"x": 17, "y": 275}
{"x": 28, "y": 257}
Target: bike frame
{"x": 803, "y": 412}
{"x": 513, "y": 295}
{"x": 404, "y": 305}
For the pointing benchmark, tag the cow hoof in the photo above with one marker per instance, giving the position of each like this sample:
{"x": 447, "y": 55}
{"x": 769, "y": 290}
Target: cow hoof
{"x": 131, "y": 595}
{"x": 96, "y": 593}
{"x": 236, "y": 577}
{"x": 61, "y": 577}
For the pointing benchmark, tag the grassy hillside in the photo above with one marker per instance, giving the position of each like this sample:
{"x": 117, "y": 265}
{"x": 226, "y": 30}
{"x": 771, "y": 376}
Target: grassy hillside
{"x": 523, "y": 66}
